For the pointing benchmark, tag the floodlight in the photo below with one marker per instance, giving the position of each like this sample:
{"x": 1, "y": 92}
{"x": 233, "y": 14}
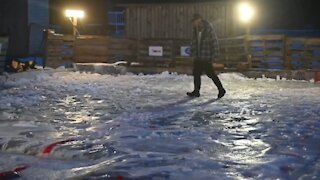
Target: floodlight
{"x": 246, "y": 12}
{"x": 74, "y": 13}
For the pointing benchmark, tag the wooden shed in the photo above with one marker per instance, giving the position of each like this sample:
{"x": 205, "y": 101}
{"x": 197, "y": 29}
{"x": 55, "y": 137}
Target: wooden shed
{"x": 173, "y": 20}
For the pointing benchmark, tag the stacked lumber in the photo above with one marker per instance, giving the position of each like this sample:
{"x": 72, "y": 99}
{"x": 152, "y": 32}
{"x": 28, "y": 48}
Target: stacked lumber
{"x": 303, "y": 53}
{"x": 234, "y": 53}
{"x": 122, "y": 50}
{"x": 91, "y": 49}
{"x": 103, "y": 49}
{"x": 267, "y": 51}
{"x": 59, "y": 49}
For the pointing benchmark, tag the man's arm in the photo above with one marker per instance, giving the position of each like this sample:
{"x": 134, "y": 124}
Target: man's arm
{"x": 215, "y": 43}
{"x": 193, "y": 45}
{"x": 216, "y": 48}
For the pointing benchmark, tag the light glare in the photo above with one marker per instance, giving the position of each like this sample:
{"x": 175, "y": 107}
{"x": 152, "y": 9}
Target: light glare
{"x": 75, "y": 13}
{"x": 246, "y": 12}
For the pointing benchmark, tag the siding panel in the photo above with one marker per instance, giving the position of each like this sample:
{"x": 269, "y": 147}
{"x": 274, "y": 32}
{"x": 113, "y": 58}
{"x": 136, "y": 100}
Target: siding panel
{"x": 173, "y": 20}
{"x": 38, "y": 19}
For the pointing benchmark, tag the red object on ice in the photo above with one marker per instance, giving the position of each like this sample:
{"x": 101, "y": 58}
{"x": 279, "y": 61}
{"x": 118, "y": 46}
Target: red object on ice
{"x": 48, "y": 149}
{"x": 21, "y": 168}
{"x": 317, "y": 77}
{"x": 119, "y": 178}
{"x": 13, "y": 173}
{"x": 8, "y": 174}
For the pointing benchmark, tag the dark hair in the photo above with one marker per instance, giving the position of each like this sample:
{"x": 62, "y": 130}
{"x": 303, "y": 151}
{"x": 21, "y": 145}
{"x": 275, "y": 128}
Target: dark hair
{"x": 196, "y": 16}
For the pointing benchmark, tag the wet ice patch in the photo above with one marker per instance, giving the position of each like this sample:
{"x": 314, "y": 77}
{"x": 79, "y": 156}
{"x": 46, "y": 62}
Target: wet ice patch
{"x": 144, "y": 127}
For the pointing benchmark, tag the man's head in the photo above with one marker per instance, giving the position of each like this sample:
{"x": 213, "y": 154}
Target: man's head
{"x": 197, "y": 20}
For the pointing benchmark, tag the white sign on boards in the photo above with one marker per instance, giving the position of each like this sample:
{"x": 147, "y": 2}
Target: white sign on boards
{"x": 155, "y": 51}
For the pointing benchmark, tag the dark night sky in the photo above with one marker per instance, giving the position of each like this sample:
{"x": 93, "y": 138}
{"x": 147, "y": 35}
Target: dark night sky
{"x": 288, "y": 14}
{"x": 96, "y": 10}
{"x": 272, "y": 14}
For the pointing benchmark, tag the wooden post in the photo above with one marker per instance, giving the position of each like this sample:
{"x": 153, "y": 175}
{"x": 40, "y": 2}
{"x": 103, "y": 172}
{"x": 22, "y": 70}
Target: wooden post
{"x": 248, "y": 50}
{"x": 74, "y": 25}
{"x": 45, "y": 42}
{"x": 248, "y": 30}
{"x": 286, "y": 52}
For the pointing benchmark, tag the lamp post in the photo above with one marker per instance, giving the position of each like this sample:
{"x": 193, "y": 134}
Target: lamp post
{"x": 73, "y": 16}
{"x": 246, "y": 14}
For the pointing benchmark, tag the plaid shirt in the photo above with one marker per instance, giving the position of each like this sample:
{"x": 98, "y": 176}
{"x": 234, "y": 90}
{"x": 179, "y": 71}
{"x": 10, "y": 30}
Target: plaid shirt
{"x": 209, "y": 48}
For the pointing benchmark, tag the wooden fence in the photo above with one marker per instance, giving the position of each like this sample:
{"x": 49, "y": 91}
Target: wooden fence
{"x": 122, "y": 49}
{"x": 155, "y": 52}
{"x": 243, "y": 52}
{"x": 270, "y": 52}
{"x": 303, "y": 53}
{"x": 234, "y": 53}
{"x": 267, "y": 52}
{"x": 64, "y": 49}
{"x": 91, "y": 49}
{"x": 171, "y": 52}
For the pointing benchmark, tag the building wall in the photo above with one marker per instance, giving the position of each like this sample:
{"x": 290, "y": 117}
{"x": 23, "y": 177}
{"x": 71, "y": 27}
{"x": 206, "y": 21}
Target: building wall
{"x": 38, "y": 19}
{"x": 13, "y": 23}
{"x": 173, "y": 20}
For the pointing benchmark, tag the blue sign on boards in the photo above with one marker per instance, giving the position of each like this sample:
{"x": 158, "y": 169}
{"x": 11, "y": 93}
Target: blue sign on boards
{"x": 185, "y": 51}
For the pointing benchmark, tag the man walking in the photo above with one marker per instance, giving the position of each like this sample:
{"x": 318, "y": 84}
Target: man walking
{"x": 204, "y": 49}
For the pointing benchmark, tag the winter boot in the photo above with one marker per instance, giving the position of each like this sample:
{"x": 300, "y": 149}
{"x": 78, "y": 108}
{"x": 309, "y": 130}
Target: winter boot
{"x": 222, "y": 92}
{"x": 193, "y": 94}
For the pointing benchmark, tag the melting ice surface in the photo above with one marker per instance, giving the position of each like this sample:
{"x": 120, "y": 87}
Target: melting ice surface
{"x": 144, "y": 127}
